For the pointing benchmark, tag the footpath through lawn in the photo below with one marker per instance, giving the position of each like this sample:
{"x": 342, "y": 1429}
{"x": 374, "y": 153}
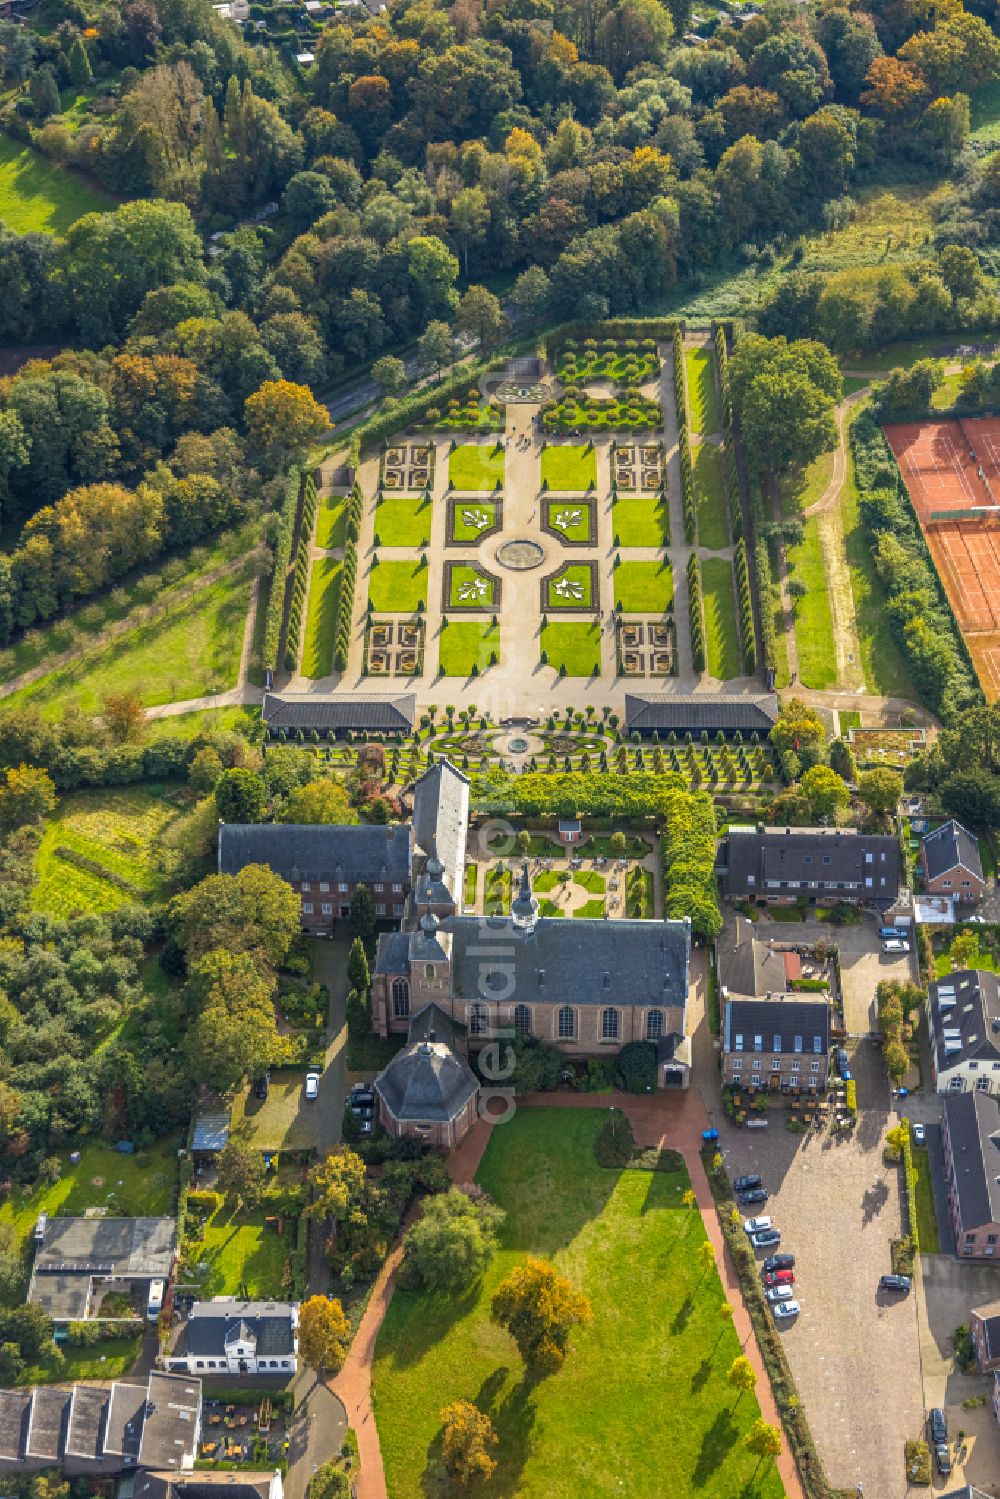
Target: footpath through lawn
{"x": 641, "y": 1406}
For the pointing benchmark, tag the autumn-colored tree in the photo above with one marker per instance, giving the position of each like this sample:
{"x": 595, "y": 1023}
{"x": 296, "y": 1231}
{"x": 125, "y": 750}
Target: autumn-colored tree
{"x": 282, "y": 419}
{"x": 690, "y": 1198}
{"x": 124, "y": 717}
{"x": 27, "y": 794}
{"x": 253, "y": 911}
{"x": 763, "y": 1441}
{"x": 706, "y": 1255}
{"x": 798, "y": 727}
{"x": 725, "y": 1320}
{"x": 539, "y": 1308}
{"x": 337, "y": 1182}
{"x": 880, "y": 789}
{"x": 323, "y": 801}
{"x": 896, "y": 1060}
{"x": 742, "y": 1377}
{"x": 895, "y": 90}
{"x": 324, "y": 1334}
{"x": 466, "y": 1437}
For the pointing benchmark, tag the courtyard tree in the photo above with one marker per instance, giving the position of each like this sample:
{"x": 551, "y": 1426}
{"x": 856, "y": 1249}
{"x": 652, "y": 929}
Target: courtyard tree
{"x": 252, "y": 911}
{"x": 742, "y": 1377}
{"x": 324, "y": 1334}
{"x": 338, "y": 1183}
{"x": 467, "y": 1435}
{"x": 618, "y": 844}
{"x": 361, "y": 920}
{"x": 539, "y": 1308}
{"x": 896, "y": 1060}
{"x": 453, "y": 1240}
{"x": 322, "y": 801}
{"x": 964, "y": 950}
{"x": 240, "y": 796}
{"x": 240, "y": 1174}
{"x": 330, "y": 1482}
{"x": 763, "y": 1440}
{"x": 880, "y": 790}
{"x": 826, "y": 792}
{"x": 357, "y": 967}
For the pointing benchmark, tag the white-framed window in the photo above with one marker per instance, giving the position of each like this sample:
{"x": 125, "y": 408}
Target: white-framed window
{"x": 307, "y": 908}
{"x": 380, "y": 908}
{"x": 814, "y": 1066}
{"x": 654, "y": 1025}
{"x": 397, "y": 889}
{"x": 379, "y": 889}
{"x": 737, "y": 1065}
{"x": 609, "y": 1024}
{"x": 342, "y": 889}
{"x": 397, "y": 910}
{"x": 327, "y": 909}
{"x": 982, "y": 1085}
{"x": 775, "y": 1064}
{"x": 796, "y": 1064}
{"x": 306, "y": 885}
{"x": 324, "y": 886}
{"x": 522, "y": 1020}
{"x": 566, "y": 1023}
{"x": 400, "y": 998}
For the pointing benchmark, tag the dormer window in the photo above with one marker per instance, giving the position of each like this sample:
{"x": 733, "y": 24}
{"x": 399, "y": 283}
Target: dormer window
{"x": 777, "y": 1044}
{"x": 758, "y": 1043}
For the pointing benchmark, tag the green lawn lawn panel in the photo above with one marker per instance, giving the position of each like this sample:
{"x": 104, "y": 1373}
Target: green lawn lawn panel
{"x": 641, "y": 523}
{"x": 702, "y": 399}
{"x": 652, "y": 1360}
{"x": 570, "y": 588}
{"x": 403, "y": 523}
{"x": 321, "y": 617}
{"x": 575, "y": 644}
{"x": 331, "y": 522}
{"x": 710, "y": 497}
{"x": 467, "y": 588}
{"x": 571, "y": 522}
{"x": 474, "y": 466}
{"x": 721, "y": 638}
{"x": 644, "y": 587}
{"x": 397, "y": 587}
{"x": 466, "y": 643}
{"x": 569, "y": 466}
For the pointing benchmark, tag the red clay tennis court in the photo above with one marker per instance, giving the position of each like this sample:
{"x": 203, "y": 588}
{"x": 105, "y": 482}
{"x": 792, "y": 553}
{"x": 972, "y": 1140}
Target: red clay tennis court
{"x": 952, "y": 471}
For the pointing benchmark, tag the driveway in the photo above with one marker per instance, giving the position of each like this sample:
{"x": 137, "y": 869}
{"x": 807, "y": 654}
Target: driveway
{"x": 316, "y": 1434}
{"x": 863, "y": 964}
{"x": 853, "y": 1350}
{"x": 947, "y": 1288}
{"x": 329, "y": 968}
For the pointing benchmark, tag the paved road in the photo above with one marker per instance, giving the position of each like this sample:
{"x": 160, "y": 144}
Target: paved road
{"x": 329, "y": 968}
{"x": 316, "y": 1434}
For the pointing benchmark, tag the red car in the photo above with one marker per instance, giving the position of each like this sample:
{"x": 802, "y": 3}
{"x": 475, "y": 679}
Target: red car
{"x": 780, "y": 1278}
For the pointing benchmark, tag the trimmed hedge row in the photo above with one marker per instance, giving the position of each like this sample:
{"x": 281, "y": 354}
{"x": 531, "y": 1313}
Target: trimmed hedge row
{"x": 746, "y": 606}
{"x": 910, "y": 1181}
{"x": 395, "y": 415}
{"x": 279, "y": 569}
{"x": 764, "y": 580}
{"x": 732, "y": 488}
{"x": 300, "y": 575}
{"x": 348, "y": 578}
{"x": 687, "y": 486}
{"x": 696, "y": 611}
{"x": 725, "y": 386}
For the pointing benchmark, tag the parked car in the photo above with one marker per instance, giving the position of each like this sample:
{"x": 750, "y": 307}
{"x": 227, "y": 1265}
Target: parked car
{"x": 747, "y": 1199}
{"x": 261, "y": 1086}
{"x": 895, "y": 1283}
{"x": 312, "y": 1084}
{"x": 744, "y": 1183}
{"x": 779, "y": 1278}
{"x": 842, "y": 1061}
{"x": 756, "y": 1225}
{"x": 919, "y": 1134}
{"x": 785, "y": 1309}
{"x": 779, "y": 1293}
{"x": 938, "y": 1423}
{"x": 362, "y": 1099}
{"x": 895, "y": 945}
{"x": 778, "y": 1262}
{"x": 766, "y": 1240}
{"x": 942, "y": 1458}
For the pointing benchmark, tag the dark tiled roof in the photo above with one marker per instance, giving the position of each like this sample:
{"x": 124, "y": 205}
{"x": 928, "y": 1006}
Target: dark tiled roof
{"x": 306, "y": 851}
{"x": 202, "y": 1485}
{"x": 309, "y": 710}
{"x": 426, "y": 1083}
{"x": 581, "y": 962}
{"x": 811, "y": 861}
{"x": 214, "y": 1323}
{"x": 952, "y": 847}
{"x": 990, "y": 1318}
{"x": 678, "y": 712}
{"x": 800, "y": 1027}
{"x": 973, "y": 1122}
{"x": 393, "y": 953}
{"x": 440, "y": 829}
{"x": 434, "y": 1023}
{"x": 749, "y": 967}
{"x": 14, "y": 1406}
{"x": 963, "y": 1008}
{"x": 173, "y": 1404}
{"x": 85, "y": 1433}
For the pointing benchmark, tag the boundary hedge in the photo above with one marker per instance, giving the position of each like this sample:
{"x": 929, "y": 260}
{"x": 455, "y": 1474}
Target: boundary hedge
{"x": 696, "y": 612}
{"x": 348, "y": 579}
{"x": 300, "y": 575}
{"x": 764, "y": 579}
{"x": 745, "y": 599}
{"x": 279, "y": 569}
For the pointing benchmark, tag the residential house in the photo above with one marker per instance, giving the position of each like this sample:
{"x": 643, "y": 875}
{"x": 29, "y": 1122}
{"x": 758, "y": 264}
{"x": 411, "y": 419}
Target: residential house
{"x": 782, "y": 1042}
{"x": 970, "y": 1136}
{"x": 79, "y": 1260}
{"x": 226, "y": 1336}
{"x": 101, "y": 1431}
{"x": 780, "y": 866}
{"x": 951, "y": 863}
{"x": 586, "y": 987}
{"x": 700, "y": 713}
{"x": 963, "y": 1017}
{"x": 984, "y": 1330}
{"x": 206, "y": 1484}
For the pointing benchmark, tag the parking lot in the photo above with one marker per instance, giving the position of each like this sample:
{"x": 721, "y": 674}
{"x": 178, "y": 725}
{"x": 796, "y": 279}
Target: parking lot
{"x": 853, "y": 1350}
{"x": 863, "y": 961}
{"x": 948, "y": 1288}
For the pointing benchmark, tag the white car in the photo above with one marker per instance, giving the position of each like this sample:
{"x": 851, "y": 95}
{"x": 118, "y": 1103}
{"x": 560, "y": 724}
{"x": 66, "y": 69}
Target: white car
{"x": 780, "y": 1293}
{"x": 756, "y": 1225}
{"x": 919, "y": 1134}
{"x": 895, "y": 944}
{"x": 783, "y": 1309}
{"x": 312, "y": 1084}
